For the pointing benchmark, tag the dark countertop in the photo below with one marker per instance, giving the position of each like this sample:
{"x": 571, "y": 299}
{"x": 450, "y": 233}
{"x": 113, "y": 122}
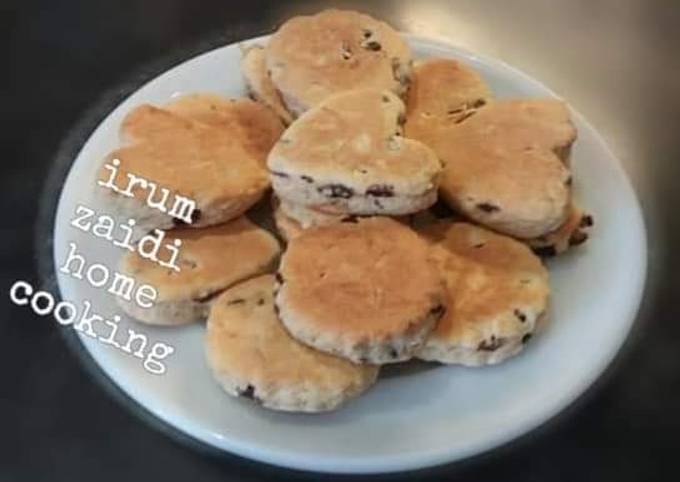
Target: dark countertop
{"x": 67, "y": 64}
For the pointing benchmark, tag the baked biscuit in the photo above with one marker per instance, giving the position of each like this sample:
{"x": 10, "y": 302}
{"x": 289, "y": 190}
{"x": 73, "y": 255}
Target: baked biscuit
{"x": 260, "y": 85}
{"x": 365, "y": 290}
{"x": 497, "y": 291}
{"x": 573, "y": 232}
{"x": 251, "y": 355}
{"x": 347, "y": 156}
{"x": 259, "y": 127}
{"x": 505, "y": 165}
{"x": 212, "y": 165}
{"x": 313, "y": 57}
{"x": 442, "y": 92}
{"x": 210, "y": 261}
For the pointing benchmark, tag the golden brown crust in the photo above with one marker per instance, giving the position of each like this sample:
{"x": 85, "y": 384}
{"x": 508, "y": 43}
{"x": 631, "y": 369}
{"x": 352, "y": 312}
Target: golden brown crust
{"x": 351, "y": 287}
{"x": 258, "y": 127}
{"x": 313, "y": 57}
{"x": 496, "y": 288}
{"x": 210, "y": 260}
{"x": 251, "y": 354}
{"x": 207, "y": 163}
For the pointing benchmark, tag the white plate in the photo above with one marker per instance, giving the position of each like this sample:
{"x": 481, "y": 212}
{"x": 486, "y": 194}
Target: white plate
{"x": 408, "y": 420}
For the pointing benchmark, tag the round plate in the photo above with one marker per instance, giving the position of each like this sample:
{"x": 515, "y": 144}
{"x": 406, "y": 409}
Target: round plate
{"x": 411, "y": 418}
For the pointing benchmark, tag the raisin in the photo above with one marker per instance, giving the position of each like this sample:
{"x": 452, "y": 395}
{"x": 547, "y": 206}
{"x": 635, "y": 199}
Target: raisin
{"x": 491, "y": 344}
{"x": 373, "y": 45}
{"x": 488, "y": 207}
{"x": 307, "y": 179}
{"x": 520, "y": 316}
{"x": 438, "y": 310}
{"x": 577, "y": 237}
{"x": 587, "y": 221}
{"x": 545, "y": 251}
{"x": 336, "y": 191}
{"x": 260, "y": 302}
{"x": 249, "y": 393}
{"x": 279, "y": 278}
{"x": 526, "y": 338}
{"x": 465, "y": 116}
{"x": 196, "y": 216}
{"x": 380, "y": 190}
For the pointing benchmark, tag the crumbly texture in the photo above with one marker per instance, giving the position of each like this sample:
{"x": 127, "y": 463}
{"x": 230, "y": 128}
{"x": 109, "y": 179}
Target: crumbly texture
{"x": 573, "y": 232}
{"x": 347, "y": 156}
{"x": 365, "y": 290}
{"x": 497, "y": 290}
{"x": 210, "y": 260}
{"x": 505, "y": 161}
{"x": 259, "y": 82}
{"x": 217, "y": 164}
{"x": 313, "y": 57}
{"x": 251, "y": 355}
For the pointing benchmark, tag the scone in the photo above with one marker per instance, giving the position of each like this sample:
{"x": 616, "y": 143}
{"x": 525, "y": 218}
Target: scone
{"x": 346, "y": 155}
{"x": 442, "y": 92}
{"x": 170, "y": 155}
{"x": 210, "y": 260}
{"x": 365, "y": 290}
{"x": 251, "y": 355}
{"x": 259, "y": 83}
{"x": 259, "y": 128}
{"x": 505, "y": 165}
{"x": 573, "y": 232}
{"x": 497, "y": 291}
{"x": 313, "y": 57}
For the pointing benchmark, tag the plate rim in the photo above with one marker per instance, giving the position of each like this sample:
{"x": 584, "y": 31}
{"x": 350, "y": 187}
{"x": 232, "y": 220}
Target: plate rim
{"x": 390, "y": 463}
